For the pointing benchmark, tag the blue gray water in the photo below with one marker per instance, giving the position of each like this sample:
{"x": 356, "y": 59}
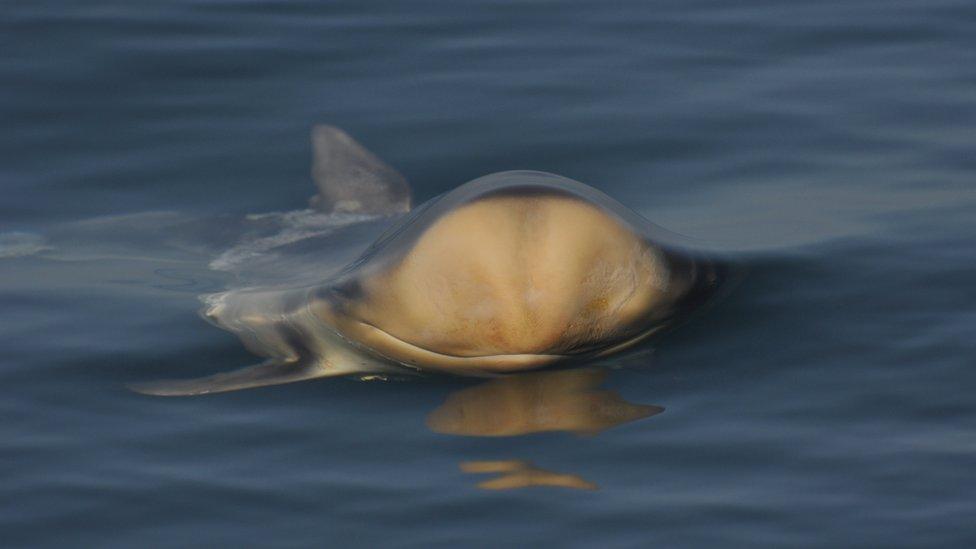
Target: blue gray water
{"x": 828, "y": 401}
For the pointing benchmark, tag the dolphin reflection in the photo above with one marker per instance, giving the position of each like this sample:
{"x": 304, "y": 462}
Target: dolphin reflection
{"x": 561, "y": 400}
{"x": 517, "y": 473}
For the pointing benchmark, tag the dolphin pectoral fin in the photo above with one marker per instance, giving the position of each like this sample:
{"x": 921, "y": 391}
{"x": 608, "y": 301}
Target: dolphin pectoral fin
{"x": 269, "y": 372}
{"x": 353, "y": 180}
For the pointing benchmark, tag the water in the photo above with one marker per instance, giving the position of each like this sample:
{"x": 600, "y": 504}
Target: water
{"x": 827, "y": 146}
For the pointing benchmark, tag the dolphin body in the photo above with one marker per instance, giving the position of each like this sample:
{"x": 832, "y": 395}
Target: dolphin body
{"x": 511, "y": 272}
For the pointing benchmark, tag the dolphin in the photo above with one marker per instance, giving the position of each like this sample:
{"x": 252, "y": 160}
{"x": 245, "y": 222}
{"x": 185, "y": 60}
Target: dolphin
{"x": 511, "y": 272}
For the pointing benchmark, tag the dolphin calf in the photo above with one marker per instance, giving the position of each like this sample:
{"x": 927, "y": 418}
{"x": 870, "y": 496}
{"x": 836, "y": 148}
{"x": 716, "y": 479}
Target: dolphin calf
{"x": 511, "y": 272}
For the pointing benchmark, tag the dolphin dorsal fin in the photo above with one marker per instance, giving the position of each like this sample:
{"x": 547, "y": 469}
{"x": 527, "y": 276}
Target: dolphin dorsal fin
{"x": 353, "y": 180}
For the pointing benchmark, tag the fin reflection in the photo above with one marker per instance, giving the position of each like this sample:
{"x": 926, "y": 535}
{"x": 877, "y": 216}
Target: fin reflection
{"x": 517, "y": 473}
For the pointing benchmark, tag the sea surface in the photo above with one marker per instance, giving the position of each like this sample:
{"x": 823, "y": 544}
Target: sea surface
{"x": 829, "y": 148}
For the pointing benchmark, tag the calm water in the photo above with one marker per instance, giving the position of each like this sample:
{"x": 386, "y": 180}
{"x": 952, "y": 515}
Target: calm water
{"x": 829, "y": 146}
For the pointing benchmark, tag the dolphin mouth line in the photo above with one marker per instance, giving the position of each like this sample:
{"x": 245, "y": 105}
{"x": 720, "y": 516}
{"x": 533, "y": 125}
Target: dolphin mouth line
{"x": 380, "y": 339}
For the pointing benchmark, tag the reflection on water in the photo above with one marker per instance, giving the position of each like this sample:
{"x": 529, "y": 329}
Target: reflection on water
{"x": 520, "y": 474}
{"x": 561, "y": 400}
